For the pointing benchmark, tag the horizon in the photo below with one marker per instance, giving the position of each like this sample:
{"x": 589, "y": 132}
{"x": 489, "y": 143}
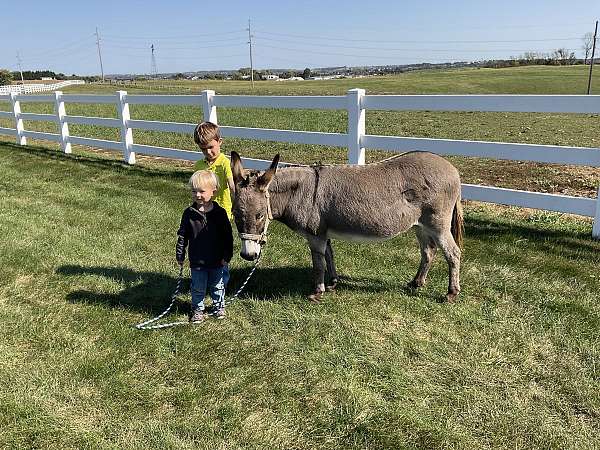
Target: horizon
{"x": 312, "y": 35}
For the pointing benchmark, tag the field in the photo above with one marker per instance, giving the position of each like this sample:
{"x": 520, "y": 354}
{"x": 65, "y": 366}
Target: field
{"x": 554, "y": 129}
{"x": 87, "y": 251}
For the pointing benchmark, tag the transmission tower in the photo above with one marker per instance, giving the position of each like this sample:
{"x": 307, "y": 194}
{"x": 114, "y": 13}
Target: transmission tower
{"x": 20, "y": 68}
{"x": 153, "y": 69}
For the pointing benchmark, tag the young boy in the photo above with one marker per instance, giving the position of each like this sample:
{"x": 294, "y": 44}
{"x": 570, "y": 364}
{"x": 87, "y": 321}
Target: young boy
{"x": 205, "y": 231}
{"x": 207, "y": 136}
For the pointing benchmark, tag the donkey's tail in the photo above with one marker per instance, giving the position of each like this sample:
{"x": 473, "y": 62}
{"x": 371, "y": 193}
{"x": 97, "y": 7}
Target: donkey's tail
{"x": 457, "y": 227}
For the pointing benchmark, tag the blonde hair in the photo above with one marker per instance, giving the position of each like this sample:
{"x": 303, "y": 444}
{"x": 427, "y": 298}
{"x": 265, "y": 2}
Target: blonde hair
{"x": 206, "y": 132}
{"x": 204, "y": 179}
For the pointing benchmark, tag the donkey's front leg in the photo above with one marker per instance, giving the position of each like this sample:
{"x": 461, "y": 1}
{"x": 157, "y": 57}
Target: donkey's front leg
{"x": 317, "y": 250}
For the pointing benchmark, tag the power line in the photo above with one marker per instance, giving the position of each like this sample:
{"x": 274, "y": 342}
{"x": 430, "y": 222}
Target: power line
{"x": 351, "y": 55}
{"x": 59, "y": 49}
{"x": 127, "y": 47}
{"x": 398, "y": 49}
{"x": 175, "y": 58}
{"x": 331, "y": 38}
{"x": 305, "y": 64}
{"x": 86, "y": 48}
{"x": 183, "y": 37}
{"x": 185, "y": 42}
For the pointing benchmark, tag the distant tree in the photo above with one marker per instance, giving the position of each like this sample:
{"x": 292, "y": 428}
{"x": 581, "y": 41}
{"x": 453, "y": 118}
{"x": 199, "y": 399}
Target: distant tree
{"x": 306, "y": 73}
{"x": 588, "y": 43}
{"x": 5, "y": 77}
{"x": 563, "y": 56}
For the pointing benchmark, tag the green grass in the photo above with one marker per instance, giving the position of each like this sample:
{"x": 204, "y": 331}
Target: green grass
{"x": 87, "y": 251}
{"x": 553, "y": 129}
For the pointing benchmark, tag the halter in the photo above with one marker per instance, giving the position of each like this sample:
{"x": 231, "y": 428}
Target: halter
{"x": 261, "y": 238}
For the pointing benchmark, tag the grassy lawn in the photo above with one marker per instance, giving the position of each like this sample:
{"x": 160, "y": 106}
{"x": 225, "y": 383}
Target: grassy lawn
{"x": 87, "y": 251}
{"x": 553, "y": 129}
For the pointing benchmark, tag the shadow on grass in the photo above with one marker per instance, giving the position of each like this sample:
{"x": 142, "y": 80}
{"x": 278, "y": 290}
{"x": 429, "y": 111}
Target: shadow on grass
{"x": 562, "y": 244}
{"x": 101, "y": 162}
{"x": 150, "y": 292}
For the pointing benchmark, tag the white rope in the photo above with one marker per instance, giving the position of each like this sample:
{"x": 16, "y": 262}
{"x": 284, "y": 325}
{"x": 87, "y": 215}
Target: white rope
{"x": 146, "y": 325}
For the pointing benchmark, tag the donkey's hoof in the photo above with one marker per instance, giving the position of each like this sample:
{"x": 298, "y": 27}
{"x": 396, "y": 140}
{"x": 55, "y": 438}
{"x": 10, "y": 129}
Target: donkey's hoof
{"x": 332, "y": 285}
{"x": 316, "y": 297}
{"x": 451, "y": 297}
{"x": 415, "y": 284}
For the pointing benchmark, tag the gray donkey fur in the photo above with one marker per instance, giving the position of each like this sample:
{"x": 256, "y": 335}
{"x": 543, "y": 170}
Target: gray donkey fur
{"x": 376, "y": 201}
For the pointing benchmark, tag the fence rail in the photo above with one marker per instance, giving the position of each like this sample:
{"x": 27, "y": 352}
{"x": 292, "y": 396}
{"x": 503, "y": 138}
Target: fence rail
{"x": 29, "y": 88}
{"x": 355, "y": 102}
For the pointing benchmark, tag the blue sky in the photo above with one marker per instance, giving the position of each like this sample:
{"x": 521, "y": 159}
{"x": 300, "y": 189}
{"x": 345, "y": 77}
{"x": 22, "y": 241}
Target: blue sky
{"x": 200, "y": 35}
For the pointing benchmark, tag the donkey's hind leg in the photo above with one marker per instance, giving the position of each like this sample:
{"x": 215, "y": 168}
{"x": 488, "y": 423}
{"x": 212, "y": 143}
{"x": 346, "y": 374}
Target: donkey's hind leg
{"x": 428, "y": 250}
{"x": 331, "y": 271}
{"x": 452, "y": 253}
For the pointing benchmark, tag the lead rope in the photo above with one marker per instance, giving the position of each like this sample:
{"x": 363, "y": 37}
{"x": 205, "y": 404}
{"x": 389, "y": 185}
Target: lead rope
{"x": 262, "y": 239}
{"x": 146, "y": 325}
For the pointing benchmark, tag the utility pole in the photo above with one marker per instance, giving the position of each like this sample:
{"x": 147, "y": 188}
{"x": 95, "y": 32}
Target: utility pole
{"x": 153, "y": 69}
{"x": 20, "y": 68}
{"x": 592, "y": 60}
{"x": 99, "y": 53}
{"x": 251, "y": 66}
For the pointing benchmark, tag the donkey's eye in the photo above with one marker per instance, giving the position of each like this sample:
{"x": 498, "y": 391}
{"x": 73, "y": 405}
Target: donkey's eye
{"x": 259, "y": 216}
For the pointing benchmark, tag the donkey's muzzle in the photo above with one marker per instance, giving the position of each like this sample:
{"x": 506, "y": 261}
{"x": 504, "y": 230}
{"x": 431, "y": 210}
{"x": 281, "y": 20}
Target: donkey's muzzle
{"x": 250, "y": 250}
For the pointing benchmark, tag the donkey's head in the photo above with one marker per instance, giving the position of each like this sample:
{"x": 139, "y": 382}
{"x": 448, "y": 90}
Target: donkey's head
{"x": 251, "y": 205}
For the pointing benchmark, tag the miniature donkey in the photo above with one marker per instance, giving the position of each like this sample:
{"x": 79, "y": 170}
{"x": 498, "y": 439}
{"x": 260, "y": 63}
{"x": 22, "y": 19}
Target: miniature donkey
{"x": 375, "y": 201}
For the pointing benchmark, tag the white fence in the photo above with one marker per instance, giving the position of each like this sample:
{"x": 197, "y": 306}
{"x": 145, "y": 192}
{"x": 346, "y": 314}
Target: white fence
{"x": 29, "y": 88}
{"x": 355, "y": 140}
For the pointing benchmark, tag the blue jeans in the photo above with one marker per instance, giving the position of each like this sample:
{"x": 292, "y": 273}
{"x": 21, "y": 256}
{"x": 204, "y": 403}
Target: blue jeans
{"x": 212, "y": 281}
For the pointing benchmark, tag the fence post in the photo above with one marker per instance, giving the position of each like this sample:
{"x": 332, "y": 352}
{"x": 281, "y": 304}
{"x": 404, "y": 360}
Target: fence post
{"x": 63, "y": 126}
{"x": 208, "y": 107}
{"x": 356, "y": 126}
{"x": 596, "y": 227}
{"x": 126, "y": 131}
{"x": 16, "y": 104}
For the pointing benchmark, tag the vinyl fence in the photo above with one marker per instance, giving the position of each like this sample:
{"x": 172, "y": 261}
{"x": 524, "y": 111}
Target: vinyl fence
{"x": 355, "y": 102}
{"x": 29, "y": 88}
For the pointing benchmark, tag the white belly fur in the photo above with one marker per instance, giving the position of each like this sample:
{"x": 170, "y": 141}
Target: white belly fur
{"x": 331, "y": 233}
{"x": 355, "y": 237}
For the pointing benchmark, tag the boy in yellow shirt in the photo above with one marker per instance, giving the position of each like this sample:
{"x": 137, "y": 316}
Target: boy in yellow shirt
{"x": 208, "y": 137}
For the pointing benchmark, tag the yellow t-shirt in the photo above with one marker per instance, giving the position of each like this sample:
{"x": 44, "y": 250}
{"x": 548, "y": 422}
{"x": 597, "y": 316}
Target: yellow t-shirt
{"x": 222, "y": 169}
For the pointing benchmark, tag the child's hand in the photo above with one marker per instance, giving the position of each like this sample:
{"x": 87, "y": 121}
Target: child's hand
{"x": 223, "y": 262}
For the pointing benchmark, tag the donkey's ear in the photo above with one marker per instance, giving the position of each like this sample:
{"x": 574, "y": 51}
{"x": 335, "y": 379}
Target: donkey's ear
{"x": 265, "y": 179}
{"x": 236, "y": 167}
